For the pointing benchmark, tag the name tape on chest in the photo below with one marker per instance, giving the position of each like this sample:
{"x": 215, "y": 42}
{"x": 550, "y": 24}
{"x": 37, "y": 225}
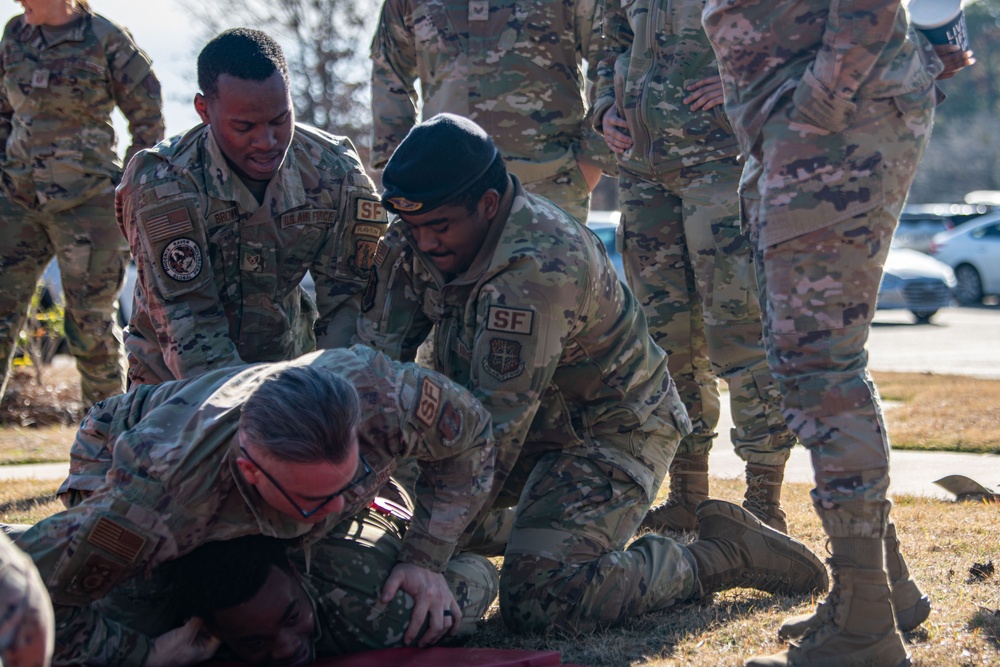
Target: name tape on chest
{"x": 226, "y": 216}
{"x": 310, "y": 217}
{"x": 510, "y": 320}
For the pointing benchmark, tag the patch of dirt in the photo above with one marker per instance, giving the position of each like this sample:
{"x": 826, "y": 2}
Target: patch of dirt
{"x": 56, "y": 401}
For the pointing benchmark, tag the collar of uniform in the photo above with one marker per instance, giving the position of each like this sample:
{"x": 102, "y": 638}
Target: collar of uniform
{"x": 484, "y": 258}
{"x": 75, "y": 33}
{"x": 284, "y": 192}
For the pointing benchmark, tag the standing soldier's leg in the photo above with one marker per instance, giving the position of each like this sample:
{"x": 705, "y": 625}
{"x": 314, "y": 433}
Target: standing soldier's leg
{"x": 92, "y": 257}
{"x": 819, "y": 292}
{"x": 567, "y": 189}
{"x": 659, "y": 273}
{"x": 721, "y": 255}
{"x": 27, "y": 249}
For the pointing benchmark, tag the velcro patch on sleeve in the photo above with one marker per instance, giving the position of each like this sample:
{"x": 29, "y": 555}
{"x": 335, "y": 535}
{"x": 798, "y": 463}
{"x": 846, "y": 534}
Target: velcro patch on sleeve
{"x": 450, "y": 423}
{"x": 164, "y": 222}
{"x": 116, "y": 539}
{"x": 95, "y": 578}
{"x": 429, "y": 402}
{"x": 510, "y": 320}
{"x": 370, "y": 210}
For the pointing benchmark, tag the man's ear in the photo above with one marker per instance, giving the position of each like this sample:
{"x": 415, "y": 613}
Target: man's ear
{"x": 201, "y": 106}
{"x": 490, "y": 203}
{"x": 251, "y": 473}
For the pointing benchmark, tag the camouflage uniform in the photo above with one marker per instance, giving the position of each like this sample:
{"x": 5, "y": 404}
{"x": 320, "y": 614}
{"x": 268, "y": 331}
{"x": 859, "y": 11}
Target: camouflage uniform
{"x": 218, "y": 273}
{"x": 512, "y": 66}
{"x": 585, "y": 414}
{"x": 833, "y": 129}
{"x": 26, "y": 624}
{"x": 171, "y": 483}
{"x": 347, "y": 570}
{"x": 59, "y": 169}
{"x": 686, "y": 258}
{"x": 833, "y": 107}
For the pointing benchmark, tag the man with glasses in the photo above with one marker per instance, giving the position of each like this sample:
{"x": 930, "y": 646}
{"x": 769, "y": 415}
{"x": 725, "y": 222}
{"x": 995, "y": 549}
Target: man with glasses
{"x": 287, "y": 450}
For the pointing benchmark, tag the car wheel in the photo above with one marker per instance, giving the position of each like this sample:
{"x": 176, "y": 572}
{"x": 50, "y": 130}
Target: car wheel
{"x": 969, "y": 290}
{"x": 923, "y": 316}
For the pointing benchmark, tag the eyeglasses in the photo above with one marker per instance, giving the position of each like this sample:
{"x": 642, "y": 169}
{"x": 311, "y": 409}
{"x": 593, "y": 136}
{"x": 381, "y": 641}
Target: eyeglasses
{"x": 364, "y": 469}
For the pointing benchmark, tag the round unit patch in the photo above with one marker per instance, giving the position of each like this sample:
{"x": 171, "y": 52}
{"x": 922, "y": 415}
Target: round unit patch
{"x": 182, "y": 260}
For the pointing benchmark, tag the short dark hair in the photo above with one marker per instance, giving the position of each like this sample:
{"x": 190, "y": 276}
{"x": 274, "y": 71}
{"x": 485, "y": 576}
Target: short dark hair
{"x": 244, "y": 53}
{"x": 495, "y": 178}
{"x": 220, "y": 575}
{"x": 302, "y": 414}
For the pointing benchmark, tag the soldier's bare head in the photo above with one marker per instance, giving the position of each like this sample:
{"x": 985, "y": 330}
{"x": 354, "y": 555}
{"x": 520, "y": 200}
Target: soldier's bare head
{"x": 298, "y": 442}
{"x": 244, "y": 53}
{"x": 445, "y": 181}
{"x": 245, "y": 98}
{"x": 250, "y": 596}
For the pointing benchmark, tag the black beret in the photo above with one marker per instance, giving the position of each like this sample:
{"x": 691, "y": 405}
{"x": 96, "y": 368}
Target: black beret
{"x": 437, "y": 161}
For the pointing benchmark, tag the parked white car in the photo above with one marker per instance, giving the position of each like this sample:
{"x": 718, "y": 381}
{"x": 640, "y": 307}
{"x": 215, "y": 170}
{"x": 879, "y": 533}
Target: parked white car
{"x": 973, "y": 251}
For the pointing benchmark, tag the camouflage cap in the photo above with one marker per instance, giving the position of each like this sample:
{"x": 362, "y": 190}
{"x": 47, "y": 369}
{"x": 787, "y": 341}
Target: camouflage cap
{"x": 437, "y": 161}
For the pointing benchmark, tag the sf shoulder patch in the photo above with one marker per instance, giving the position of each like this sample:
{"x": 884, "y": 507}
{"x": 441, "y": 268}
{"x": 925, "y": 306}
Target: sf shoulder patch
{"x": 504, "y": 359}
{"x": 429, "y": 402}
{"x": 510, "y": 320}
{"x": 181, "y": 260}
{"x": 370, "y": 222}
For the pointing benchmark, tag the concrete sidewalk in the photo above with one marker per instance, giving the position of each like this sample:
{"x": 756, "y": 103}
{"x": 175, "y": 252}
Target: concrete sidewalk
{"x": 912, "y": 473}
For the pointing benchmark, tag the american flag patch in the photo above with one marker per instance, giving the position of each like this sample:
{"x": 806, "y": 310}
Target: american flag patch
{"x": 162, "y": 226}
{"x": 116, "y": 540}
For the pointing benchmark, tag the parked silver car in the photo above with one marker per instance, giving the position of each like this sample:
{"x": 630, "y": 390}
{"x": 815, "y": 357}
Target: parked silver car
{"x": 915, "y": 282}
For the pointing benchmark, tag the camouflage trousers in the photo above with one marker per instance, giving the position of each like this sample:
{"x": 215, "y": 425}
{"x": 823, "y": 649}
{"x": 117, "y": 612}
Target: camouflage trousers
{"x": 690, "y": 266}
{"x": 92, "y": 254}
{"x": 566, "y": 565}
{"x": 567, "y": 189}
{"x": 818, "y": 292}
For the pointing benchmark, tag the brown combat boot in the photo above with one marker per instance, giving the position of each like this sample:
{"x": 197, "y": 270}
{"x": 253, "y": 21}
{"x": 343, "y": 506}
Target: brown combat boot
{"x": 910, "y": 606}
{"x": 855, "y": 625}
{"x": 734, "y": 549}
{"x": 688, "y": 487}
{"x": 763, "y": 494}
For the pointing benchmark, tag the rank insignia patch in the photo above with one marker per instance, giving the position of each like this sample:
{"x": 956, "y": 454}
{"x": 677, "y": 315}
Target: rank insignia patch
{"x": 504, "y": 360}
{"x": 181, "y": 260}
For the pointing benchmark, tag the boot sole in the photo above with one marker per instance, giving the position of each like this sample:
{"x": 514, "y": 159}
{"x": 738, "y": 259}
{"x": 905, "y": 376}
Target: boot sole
{"x": 788, "y": 547}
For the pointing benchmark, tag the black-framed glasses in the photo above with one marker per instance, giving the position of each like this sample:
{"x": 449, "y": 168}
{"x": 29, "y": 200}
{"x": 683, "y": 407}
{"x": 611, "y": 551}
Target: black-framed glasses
{"x": 364, "y": 470}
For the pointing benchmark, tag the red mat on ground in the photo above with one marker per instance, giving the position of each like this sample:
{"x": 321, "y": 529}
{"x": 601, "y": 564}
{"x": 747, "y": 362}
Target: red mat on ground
{"x": 437, "y": 657}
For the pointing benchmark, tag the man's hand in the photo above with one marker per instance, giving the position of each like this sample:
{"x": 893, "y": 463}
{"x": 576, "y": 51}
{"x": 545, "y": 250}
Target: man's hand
{"x": 617, "y": 141}
{"x": 954, "y": 59}
{"x": 189, "y": 644}
{"x": 705, "y": 94}
{"x": 432, "y": 602}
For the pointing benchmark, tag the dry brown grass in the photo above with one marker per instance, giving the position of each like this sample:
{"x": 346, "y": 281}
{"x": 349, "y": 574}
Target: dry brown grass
{"x": 941, "y": 540}
{"x": 942, "y": 412}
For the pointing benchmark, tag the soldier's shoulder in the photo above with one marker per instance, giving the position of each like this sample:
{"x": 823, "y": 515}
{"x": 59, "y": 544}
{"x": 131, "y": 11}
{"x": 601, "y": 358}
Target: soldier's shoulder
{"x": 111, "y": 34}
{"x": 329, "y": 151}
{"x": 172, "y": 159}
{"x": 14, "y": 27}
